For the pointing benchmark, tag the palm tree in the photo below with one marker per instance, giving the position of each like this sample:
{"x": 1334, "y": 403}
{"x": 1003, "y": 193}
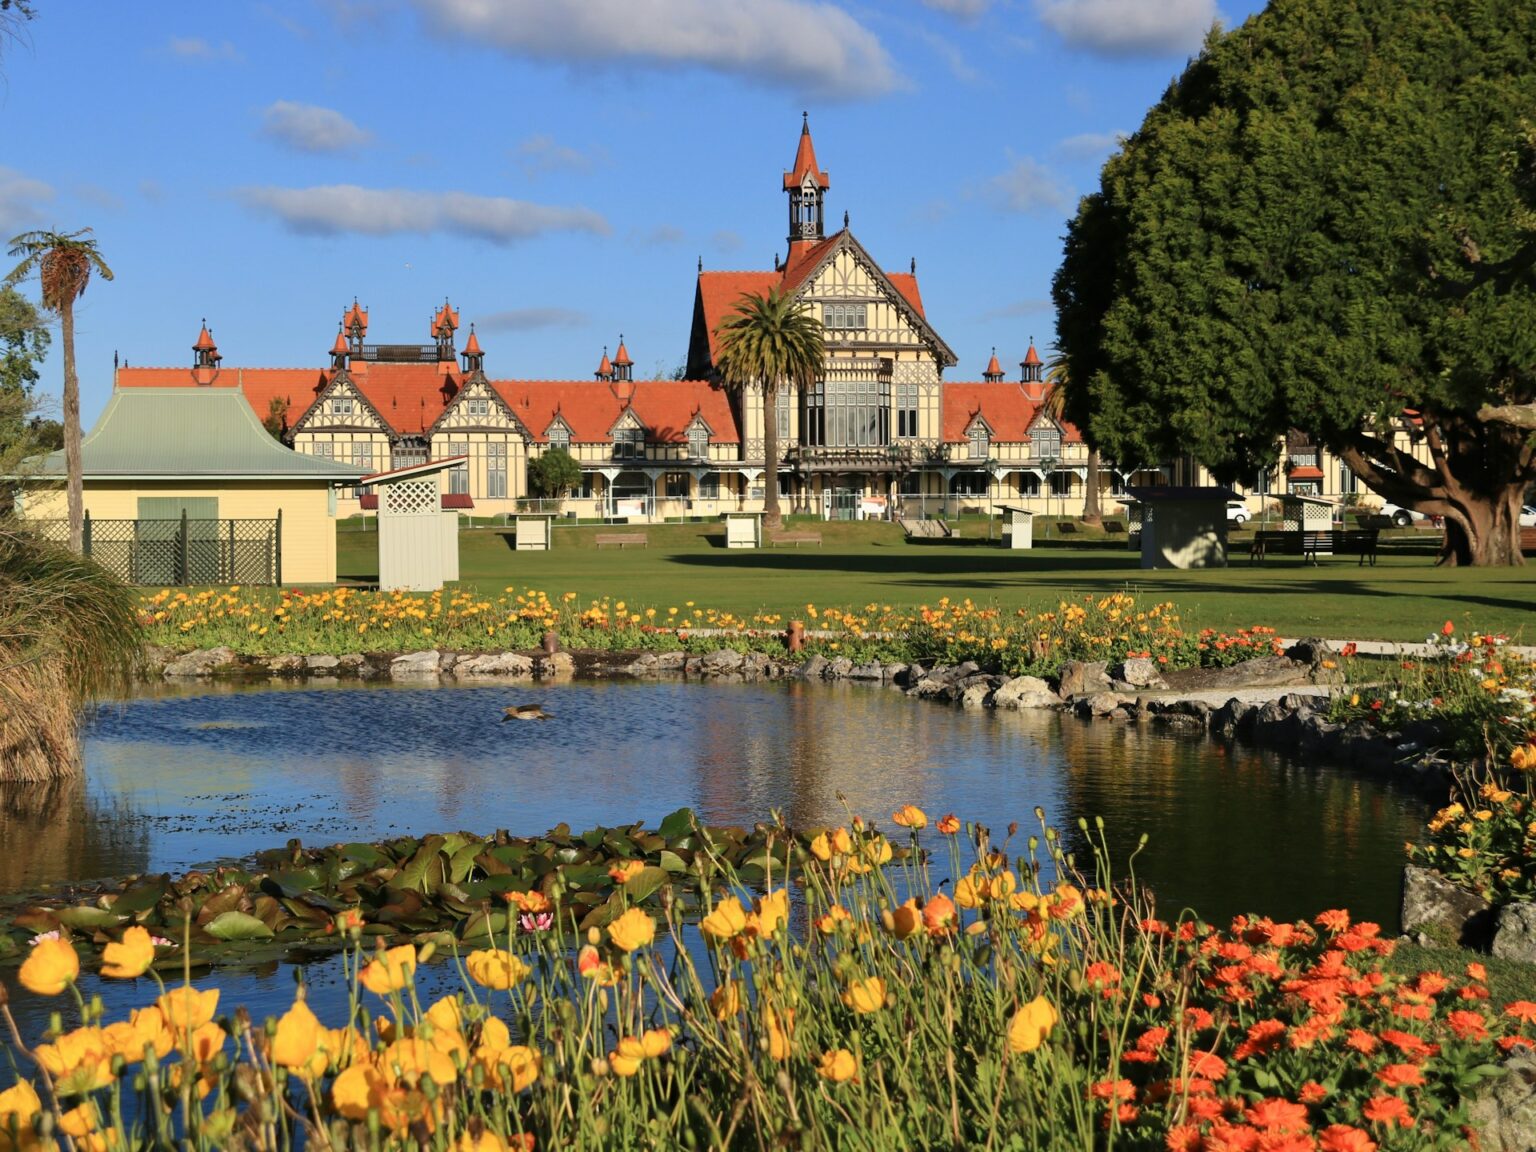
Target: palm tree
{"x": 64, "y": 263}
{"x": 768, "y": 343}
{"x": 1055, "y": 407}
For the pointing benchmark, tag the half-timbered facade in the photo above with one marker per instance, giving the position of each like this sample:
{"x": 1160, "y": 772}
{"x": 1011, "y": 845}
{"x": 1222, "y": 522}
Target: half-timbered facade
{"x": 881, "y": 432}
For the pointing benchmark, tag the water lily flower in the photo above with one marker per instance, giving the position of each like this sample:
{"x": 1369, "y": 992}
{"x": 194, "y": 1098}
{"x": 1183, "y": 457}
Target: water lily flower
{"x": 536, "y": 922}
{"x": 131, "y": 957}
{"x": 51, "y": 967}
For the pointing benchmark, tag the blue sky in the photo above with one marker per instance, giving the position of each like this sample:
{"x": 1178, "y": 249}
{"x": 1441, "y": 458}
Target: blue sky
{"x": 556, "y": 167}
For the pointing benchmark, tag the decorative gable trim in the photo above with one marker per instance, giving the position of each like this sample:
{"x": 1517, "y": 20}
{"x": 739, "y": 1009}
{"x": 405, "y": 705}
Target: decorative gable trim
{"x": 332, "y": 386}
{"x": 844, "y": 241}
{"x": 481, "y": 389}
{"x": 627, "y": 421}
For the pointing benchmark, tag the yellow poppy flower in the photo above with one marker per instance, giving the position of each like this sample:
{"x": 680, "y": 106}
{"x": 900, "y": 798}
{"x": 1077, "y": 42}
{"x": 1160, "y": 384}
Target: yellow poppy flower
{"x": 495, "y": 968}
{"x": 1030, "y": 1025}
{"x": 390, "y": 970}
{"x": 297, "y": 1038}
{"x": 728, "y": 919}
{"x": 632, "y": 930}
{"x": 772, "y": 910}
{"x": 865, "y": 996}
{"x": 130, "y": 958}
{"x": 50, "y": 967}
{"x": 910, "y": 816}
{"x": 186, "y": 1009}
{"x": 838, "y": 1066}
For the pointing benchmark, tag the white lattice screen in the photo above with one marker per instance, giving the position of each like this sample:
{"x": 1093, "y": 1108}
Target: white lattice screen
{"x": 411, "y": 497}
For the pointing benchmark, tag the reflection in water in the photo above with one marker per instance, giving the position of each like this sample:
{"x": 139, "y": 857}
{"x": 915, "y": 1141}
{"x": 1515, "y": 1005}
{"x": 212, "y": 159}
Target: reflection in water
{"x": 178, "y": 781}
{"x": 175, "y": 781}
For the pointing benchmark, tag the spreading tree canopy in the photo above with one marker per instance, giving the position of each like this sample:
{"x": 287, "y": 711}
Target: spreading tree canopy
{"x": 553, "y": 473}
{"x": 1328, "y": 223}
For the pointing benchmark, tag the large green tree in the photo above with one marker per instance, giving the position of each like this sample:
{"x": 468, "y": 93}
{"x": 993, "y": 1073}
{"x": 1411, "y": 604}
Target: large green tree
{"x": 769, "y": 343}
{"x": 23, "y": 343}
{"x": 1328, "y": 222}
{"x": 553, "y": 473}
{"x": 63, "y": 262}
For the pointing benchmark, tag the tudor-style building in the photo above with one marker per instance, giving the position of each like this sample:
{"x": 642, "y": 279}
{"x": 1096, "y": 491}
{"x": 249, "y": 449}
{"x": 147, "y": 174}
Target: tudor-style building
{"x": 882, "y": 432}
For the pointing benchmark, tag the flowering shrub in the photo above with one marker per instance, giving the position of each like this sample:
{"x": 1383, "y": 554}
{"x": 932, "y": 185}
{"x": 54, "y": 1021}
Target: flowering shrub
{"x": 1027, "y": 640}
{"x": 878, "y": 1009}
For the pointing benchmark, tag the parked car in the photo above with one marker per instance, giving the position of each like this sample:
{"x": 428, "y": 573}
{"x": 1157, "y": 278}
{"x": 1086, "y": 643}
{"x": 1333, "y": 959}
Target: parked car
{"x": 1237, "y": 512}
{"x": 1402, "y": 517}
{"x": 1528, "y": 516}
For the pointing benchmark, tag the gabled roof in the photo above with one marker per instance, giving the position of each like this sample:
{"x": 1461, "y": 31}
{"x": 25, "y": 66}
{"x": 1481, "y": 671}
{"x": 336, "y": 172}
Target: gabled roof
{"x": 295, "y": 387}
{"x": 408, "y": 397}
{"x": 590, "y": 410}
{"x": 718, "y": 293}
{"x": 172, "y": 433}
{"x": 1002, "y": 404}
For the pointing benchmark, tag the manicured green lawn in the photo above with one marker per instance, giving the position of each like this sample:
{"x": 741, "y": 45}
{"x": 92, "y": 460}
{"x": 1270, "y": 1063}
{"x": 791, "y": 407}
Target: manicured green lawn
{"x": 1405, "y": 597}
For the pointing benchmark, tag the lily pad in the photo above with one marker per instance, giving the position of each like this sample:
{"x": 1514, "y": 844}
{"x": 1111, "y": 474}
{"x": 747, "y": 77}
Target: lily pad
{"x": 236, "y": 926}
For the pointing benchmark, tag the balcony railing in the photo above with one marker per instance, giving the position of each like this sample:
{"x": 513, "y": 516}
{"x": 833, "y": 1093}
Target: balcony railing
{"x": 400, "y": 353}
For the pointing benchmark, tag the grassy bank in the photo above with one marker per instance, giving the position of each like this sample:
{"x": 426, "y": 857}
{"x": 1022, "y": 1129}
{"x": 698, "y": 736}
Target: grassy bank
{"x": 860, "y": 563}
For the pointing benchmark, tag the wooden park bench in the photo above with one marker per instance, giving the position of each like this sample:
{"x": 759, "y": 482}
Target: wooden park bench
{"x": 1528, "y": 539}
{"x": 620, "y": 539}
{"x": 796, "y": 538}
{"x": 1307, "y": 545}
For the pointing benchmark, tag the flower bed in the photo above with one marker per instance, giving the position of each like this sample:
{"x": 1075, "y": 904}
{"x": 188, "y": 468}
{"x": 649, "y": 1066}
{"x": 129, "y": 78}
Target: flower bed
{"x": 1036, "y": 641}
{"x": 882, "y": 1010}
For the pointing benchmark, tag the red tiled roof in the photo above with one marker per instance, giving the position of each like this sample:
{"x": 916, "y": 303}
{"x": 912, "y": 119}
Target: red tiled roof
{"x": 355, "y": 313}
{"x": 805, "y": 161}
{"x": 621, "y": 357}
{"x": 1031, "y": 357}
{"x": 906, "y": 284}
{"x": 1002, "y": 404}
{"x": 590, "y": 409}
{"x": 804, "y": 256}
{"x": 993, "y": 367}
{"x": 204, "y": 341}
{"x": 1306, "y": 472}
{"x": 472, "y": 345}
{"x": 340, "y": 347}
{"x": 446, "y": 322}
{"x": 604, "y": 366}
{"x": 721, "y": 291}
{"x": 408, "y": 397}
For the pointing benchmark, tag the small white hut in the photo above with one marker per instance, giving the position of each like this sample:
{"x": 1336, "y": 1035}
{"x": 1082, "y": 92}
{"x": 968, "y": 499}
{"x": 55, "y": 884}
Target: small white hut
{"x": 418, "y": 537}
{"x": 1018, "y": 527}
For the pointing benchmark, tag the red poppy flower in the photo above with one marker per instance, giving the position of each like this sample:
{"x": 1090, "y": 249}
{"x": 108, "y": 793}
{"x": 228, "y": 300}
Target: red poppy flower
{"x": 1388, "y": 1110}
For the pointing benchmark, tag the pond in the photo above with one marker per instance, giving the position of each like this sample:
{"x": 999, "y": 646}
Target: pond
{"x": 179, "y": 779}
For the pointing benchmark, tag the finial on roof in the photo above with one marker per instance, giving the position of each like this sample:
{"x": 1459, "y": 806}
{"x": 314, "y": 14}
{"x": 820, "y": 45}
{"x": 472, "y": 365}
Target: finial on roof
{"x": 805, "y": 121}
{"x": 701, "y": 263}
{"x": 914, "y": 269}
{"x": 775, "y": 261}
{"x": 845, "y": 218}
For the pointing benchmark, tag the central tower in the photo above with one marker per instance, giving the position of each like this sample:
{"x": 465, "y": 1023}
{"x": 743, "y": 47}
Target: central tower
{"x": 806, "y": 186}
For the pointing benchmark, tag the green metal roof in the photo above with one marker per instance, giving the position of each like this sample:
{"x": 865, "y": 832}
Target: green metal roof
{"x": 164, "y": 433}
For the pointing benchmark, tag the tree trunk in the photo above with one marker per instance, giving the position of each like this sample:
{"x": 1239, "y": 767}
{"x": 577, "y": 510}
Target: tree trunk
{"x": 1092, "y": 515}
{"x": 772, "y": 521}
{"x": 75, "y": 481}
{"x": 1483, "y": 532}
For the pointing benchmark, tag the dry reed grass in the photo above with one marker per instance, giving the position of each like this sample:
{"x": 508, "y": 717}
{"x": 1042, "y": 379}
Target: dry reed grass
{"x": 69, "y": 634}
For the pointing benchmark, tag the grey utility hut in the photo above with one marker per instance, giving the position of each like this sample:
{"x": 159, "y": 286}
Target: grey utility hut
{"x": 418, "y": 538}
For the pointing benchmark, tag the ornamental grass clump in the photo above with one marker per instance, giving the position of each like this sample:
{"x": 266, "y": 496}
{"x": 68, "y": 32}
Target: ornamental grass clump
{"x": 964, "y": 993}
{"x": 68, "y": 635}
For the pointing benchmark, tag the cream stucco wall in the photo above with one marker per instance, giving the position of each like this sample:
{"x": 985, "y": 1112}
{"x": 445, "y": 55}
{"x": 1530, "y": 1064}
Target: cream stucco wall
{"x": 308, "y": 532}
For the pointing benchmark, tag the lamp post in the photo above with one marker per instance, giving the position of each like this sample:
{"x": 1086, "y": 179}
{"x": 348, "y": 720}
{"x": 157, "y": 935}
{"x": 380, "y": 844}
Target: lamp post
{"x": 1048, "y": 466}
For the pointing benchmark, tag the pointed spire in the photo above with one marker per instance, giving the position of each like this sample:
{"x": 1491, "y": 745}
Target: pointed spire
{"x": 805, "y": 160}
{"x": 994, "y": 371}
{"x": 605, "y": 366}
{"x": 472, "y": 347}
{"x": 621, "y": 357}
{"x": 340, "y": 347}
{"x": 1031, "y": 366}
{"x": 205, "y": 340}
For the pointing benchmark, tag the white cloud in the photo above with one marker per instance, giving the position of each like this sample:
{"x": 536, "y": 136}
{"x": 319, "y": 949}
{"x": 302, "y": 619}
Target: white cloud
{"x": 1028, "y": 186}
{"x": 310, "y": 128}
{"x": 196, "y": 48}
{"x": 806, "y": 46}
{"x": 540, "y": 154}
{"x": 662, "y": 234}
{"x": 527, "y": 319}
{"x": 1130, "y": 27}
{"x": 965, "y": 9}
{"x": 1088, "y": 145}
{"x": 20, "y": 201}
{"x": 1019, "y": 309}
{"x": 725, "y": 240}
{"x": 336, "y": 208}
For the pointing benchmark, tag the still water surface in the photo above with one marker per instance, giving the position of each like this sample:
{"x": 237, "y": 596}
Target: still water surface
{"x": 178, "y": 780}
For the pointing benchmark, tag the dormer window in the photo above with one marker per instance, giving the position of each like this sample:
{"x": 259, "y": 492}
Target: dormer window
{"x": 1046, "y": 438}
{"x": 698, "y": 442}
{"x": 628, "y": 443}
{"x": 560, "y": 437}
{"x": 981, "y": 442}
